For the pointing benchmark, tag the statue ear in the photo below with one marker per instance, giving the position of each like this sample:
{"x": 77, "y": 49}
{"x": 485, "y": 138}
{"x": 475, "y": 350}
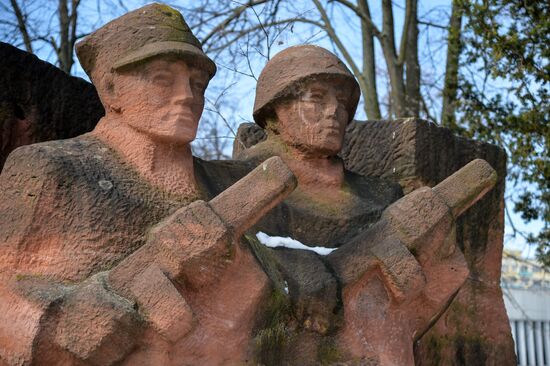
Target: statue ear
{"x": 109, "y": 94}
{"x": 272, "y": 124}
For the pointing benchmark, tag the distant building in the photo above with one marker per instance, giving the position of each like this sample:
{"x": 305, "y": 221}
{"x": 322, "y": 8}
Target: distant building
{"x": 526, "y": 288}
{"x": 523, "y": 273}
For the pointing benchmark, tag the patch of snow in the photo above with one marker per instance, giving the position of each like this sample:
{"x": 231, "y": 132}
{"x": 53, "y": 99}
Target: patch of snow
{"x": 279, "y": 241}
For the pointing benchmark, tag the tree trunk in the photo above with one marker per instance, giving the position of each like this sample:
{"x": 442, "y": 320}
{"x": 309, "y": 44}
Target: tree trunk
{"x": 454, "y": 47}
{"x": 368, "y": 84}
{"x": 64, "y": 54}
{"x": 22, "y": 25}
{"x": 411, "y": 63}
{"x": 395, "y": 68}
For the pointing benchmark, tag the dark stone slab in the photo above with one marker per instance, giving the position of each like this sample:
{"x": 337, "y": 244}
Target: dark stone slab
{"x": 39, "y": 102}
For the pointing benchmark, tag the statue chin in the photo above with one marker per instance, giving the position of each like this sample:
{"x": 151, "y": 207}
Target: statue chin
{"x": 178, "y": 135}
{"x": 318, "y": 151}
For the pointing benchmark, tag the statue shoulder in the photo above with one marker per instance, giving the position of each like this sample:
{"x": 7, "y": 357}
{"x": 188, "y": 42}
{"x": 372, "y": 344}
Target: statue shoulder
{"x": 260, "y": 152}
{"x": 29, "y": 182}
{"x": 47, "y": 158}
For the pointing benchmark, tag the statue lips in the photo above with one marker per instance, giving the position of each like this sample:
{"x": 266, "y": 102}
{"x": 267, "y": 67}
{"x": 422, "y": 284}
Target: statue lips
{"x": 183, "y": 117}
{"x": 179, "y": 122}
{"x": 331, "y": 128}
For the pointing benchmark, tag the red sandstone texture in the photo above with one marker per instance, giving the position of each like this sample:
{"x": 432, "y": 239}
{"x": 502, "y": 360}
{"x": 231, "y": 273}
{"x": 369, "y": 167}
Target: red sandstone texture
{"x": 475, "y": 329}
{"x": 404, "y": 287}
{"x": 101, "y": 265}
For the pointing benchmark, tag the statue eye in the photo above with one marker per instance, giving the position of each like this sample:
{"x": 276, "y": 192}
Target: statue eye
{"x": 162, "y": 78}
{"x": 342, "y": 100}
{"x": 314, "y": 97}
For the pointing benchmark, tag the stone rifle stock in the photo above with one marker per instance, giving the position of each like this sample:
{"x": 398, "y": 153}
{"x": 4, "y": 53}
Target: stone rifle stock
{"x": 194, "y": 245}
{"x": 466, "y": 186}
{"x": 415, "y": 223}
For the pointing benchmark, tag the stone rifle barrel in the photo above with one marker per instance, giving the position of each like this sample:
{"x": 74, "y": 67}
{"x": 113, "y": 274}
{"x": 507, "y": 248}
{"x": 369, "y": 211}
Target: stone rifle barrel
{"x": 245, "y": 202}
{"x": 192, "y": 246}
{"x": 466, "y": 186}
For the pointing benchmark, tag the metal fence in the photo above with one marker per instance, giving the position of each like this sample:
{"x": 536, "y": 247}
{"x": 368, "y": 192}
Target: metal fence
{"x": 532, "y": 339}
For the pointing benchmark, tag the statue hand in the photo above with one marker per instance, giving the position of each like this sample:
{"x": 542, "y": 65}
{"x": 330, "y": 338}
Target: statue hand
{"x": 96, "y": 325}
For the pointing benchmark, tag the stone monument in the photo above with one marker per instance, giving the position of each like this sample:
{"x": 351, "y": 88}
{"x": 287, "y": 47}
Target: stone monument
{"x": 304, "y": 99}
{"x": 90, "y": 273}
{"x": 119, "y": 247}
{"x": 39, "y": 102}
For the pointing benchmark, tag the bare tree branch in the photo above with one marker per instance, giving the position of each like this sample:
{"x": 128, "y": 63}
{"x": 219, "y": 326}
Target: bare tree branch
{"x": 356, "y": 9}
{"x": 22, "y": 25}
{"x": 430, "y": 24}
{"x": 236, "y": 13}
{"x": 332, "y": 34}
{"x": 410, "y": 4}
{"x": 367, "y": 79}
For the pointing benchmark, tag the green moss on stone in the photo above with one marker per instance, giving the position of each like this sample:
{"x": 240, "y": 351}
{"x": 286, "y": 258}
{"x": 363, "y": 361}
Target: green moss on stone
{"x": 328, "y": 352}
{"x": 272, "y": 338}
{"x": 465, "y": 350}
{"x": 433, "y": 348}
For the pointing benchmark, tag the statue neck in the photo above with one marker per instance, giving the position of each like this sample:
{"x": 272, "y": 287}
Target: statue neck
{"x": 315, "y": 173}
{"x": 165, "y": 166}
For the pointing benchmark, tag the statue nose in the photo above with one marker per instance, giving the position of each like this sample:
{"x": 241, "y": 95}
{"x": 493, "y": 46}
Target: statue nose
{"x": 331, "y": 106}
{"x": 182, "y": 91}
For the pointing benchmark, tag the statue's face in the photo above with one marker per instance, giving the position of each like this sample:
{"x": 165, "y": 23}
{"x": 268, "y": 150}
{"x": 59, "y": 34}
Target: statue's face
{"x": 162, "y": 99}
{"x": 315, "y": 120}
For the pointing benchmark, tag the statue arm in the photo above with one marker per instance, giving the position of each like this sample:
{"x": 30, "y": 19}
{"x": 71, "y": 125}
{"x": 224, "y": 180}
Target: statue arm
{"x": 187, "y": 247}
{"x": 414, "y": 232}
{"x": 42, "y": 320}
{"x": 192, "y": 246}
{"x": 27, "y": 181}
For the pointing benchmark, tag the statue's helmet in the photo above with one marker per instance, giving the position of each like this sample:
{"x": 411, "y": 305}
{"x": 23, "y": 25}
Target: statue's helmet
{"x": 290, "y": 68}
{"x": 150, "y": 31}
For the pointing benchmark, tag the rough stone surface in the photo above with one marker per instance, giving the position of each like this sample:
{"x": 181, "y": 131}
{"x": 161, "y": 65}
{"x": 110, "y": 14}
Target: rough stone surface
{"x": 318, "y": 223}
{"x": 391, "y": 286}
{"x": 54, "y": 200}
{"x": 39, "y": 102}
{"x": 130, "y": 196}
{"x": 312, "y": 288}
{"x": 379, "y": 248}
{"x": 396, "y": 319}
{"x": 55, "y": 196}
{"x": 248, "y": 135}
{"x": 111, "y": 324}
{"x": 288, "y": 69}
{"x": 264, "y": 187}
{"x": 161, "y": 303}
{"x": 77, "y": 207}
{"x": 475, "y": 329}
{"x": 25, "y": 305}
